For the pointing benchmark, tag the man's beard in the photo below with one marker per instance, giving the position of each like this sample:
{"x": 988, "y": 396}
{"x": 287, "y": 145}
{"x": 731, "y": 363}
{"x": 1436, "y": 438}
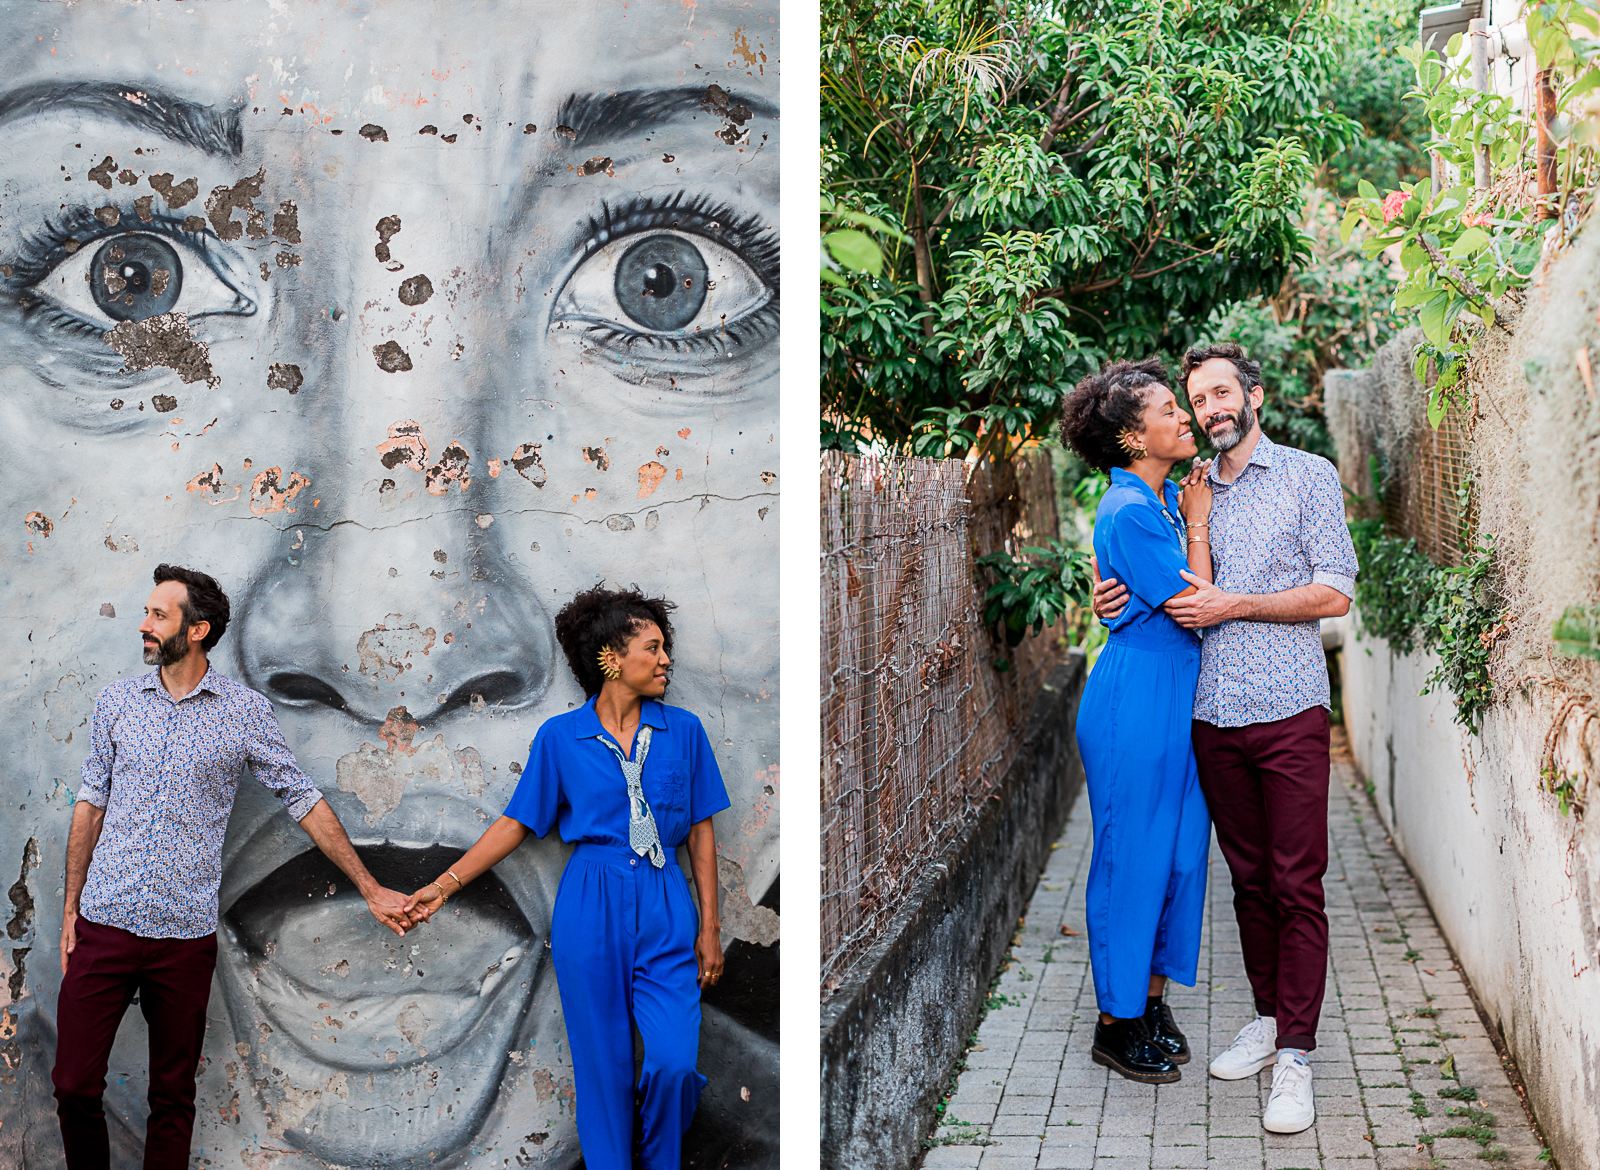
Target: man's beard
{"x": 168, "y": 652}
{"x": 1242, "y": 422}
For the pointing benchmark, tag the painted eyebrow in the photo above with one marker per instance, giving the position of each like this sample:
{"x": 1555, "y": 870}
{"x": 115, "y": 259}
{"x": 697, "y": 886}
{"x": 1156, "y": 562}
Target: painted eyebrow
{"x": 204, "y": 127}
{"x": 611, "y": 115}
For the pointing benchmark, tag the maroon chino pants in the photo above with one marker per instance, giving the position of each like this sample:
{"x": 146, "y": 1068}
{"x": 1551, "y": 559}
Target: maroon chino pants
{"x": 173, "y": 979}
{"x": 1267, "y": 787}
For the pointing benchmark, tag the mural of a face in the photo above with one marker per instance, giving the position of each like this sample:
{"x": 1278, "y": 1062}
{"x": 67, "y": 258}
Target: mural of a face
{"x": 407, "y": 321}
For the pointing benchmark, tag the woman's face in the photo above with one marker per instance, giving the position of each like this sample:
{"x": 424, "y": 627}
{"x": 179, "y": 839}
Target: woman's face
{"x": 1164, "y": 427}
{"x": 407, "y": 322}
{"x": 642, "y": 664}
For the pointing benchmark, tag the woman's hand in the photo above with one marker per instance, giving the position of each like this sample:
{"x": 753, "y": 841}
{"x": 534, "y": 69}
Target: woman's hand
{"x": 708, "y": 956}
{"x": 421, "y": 905}
{"x": 1194, "y": 493}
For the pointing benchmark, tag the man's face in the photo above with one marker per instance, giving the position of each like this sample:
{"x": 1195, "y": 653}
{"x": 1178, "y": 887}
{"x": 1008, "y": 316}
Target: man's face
{"x": 408, "y": 323}
{"x": 164, "y": 632}
{"x": 1222, "y": 408}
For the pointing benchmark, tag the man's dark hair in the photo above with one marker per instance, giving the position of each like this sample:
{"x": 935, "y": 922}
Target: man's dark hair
{"x": 1249, "y": 372}
{"x": 206, "y": 601}
{"x": 1104, "y": 405}
{"x": 598, "y": 619}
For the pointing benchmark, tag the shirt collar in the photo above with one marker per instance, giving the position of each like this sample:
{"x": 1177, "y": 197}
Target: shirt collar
{"x": 1121, "y": 475}
{"x": 587, "y": 724}
{"x": 1260, "y": 456}
{"x": 211, "y": 681}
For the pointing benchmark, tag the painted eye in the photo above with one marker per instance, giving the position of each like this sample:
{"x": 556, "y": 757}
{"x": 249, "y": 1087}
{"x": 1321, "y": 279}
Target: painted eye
{"x": 136, "y": 275}
{"x": 663, "y": 284}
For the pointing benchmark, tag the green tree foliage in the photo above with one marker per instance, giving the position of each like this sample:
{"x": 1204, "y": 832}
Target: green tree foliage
{"x": 1335, "y": 309}
{"x": 1073, "y": 181}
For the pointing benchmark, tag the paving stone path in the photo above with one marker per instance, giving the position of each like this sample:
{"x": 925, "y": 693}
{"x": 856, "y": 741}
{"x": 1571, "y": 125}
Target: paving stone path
{"x": 1406, "y": 1075}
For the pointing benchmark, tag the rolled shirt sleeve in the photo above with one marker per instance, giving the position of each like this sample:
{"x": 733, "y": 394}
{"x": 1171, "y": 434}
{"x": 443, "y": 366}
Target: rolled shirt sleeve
{"x": 707, "y": 793}
{"x": 274, "y": 765}
{"x": 1324, "y": 535}
{"x": 537, "y": 799}
{"x": 95, "y": 780}
{"x": 1144, "y": 554}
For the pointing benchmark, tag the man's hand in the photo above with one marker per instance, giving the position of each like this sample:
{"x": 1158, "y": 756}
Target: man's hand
{"x": 69, "y": 937}
{"x": 1110, "y": 595}
{"x": 389, "y": 908}
{"x": 1207, "y": 606}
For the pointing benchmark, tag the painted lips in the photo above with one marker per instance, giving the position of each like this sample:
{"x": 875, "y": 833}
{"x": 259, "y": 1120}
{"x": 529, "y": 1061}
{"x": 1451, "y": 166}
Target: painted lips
{"x": 326, "y": 996}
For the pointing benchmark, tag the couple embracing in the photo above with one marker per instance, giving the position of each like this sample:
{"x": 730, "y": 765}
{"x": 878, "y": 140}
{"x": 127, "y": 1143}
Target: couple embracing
{"x": 1209, "y": 704}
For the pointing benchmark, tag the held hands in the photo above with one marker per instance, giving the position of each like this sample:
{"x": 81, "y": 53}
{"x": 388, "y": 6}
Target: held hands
{"x": 1194, "y": 493}
{"x": 391, "y": 908}
{"x": 708, "y": 956}
{"x": 422, "y": 904}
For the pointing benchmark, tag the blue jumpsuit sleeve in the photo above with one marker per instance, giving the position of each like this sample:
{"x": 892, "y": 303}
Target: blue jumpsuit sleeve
{"x": 537, "y": 798}
{"x": 707, "y": 794}
{"x": 1144, "y": 555}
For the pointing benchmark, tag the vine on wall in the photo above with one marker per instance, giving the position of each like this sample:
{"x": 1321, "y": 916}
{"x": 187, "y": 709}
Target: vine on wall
{"x": 1414, "y": 604}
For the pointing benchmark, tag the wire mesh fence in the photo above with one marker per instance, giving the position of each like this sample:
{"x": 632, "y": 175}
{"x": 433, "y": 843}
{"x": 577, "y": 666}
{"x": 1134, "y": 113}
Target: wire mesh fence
{"x": 917, "y": 724}
{"x": 1426, "y": 501}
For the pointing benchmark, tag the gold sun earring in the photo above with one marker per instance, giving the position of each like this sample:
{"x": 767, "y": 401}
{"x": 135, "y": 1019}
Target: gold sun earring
{"x": 608, "y": 667}
{"x": 1135, "y": 451}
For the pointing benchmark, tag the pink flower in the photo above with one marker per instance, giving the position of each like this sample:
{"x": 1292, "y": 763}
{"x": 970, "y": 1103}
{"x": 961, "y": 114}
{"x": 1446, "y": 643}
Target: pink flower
{"x": 1393, "y": 204}
{"x": 1476, "y": 219}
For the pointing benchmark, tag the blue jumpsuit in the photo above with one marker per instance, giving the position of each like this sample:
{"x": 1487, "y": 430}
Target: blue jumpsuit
{"x": 1147, "y": 877}
{"x": 622, "y": 932}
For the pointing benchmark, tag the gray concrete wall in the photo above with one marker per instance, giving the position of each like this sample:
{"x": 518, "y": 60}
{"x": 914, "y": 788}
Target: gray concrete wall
{"x": 893, "y": 1031}
{"x": 453, "y": 311}
{"x": 1514, "y": 885}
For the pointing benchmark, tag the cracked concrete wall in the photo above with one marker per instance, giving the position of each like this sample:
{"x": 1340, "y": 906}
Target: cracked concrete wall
{"x": 407, "y": 322}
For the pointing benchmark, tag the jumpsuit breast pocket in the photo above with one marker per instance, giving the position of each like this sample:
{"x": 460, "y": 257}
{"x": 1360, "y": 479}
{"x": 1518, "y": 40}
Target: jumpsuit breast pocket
{"x": 667, "y": 789}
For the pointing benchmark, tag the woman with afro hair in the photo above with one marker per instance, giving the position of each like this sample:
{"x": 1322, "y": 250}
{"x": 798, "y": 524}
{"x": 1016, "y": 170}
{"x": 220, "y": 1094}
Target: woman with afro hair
{"x": 628, "y": 779}
{"x": 1147, "y": 875}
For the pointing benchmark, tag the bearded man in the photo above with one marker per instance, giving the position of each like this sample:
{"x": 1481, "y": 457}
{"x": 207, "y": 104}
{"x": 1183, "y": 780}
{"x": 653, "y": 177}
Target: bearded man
{"x": 1282, "y": 559}
{"x": 144, "y": 863}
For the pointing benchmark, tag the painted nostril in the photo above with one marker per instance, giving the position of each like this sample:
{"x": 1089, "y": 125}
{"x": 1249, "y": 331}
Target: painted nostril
{"x": 495, "y": 686}
{"x": 293, "y": 686}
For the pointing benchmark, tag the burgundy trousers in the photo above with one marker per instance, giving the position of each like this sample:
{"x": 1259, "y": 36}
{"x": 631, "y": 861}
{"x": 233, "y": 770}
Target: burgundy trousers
{"x": 173, "y": 979}
{"x": 1267, "y": 787}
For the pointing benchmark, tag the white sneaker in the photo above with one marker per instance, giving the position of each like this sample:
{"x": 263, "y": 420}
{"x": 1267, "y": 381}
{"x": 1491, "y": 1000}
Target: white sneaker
{"x": 1255, "y": 1047}
{"x": 1290, "y": 1108}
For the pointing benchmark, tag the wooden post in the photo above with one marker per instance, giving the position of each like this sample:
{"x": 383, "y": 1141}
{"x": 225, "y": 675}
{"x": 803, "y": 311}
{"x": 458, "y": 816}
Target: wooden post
{"x": 1478, "y": 40}
{"x": 1545, "y": 113}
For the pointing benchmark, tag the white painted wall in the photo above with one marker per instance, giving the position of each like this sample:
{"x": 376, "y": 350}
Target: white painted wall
{"x": 1514, "y": 884}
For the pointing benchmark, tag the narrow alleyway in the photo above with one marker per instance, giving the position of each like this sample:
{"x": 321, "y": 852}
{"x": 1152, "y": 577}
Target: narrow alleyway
{"x": 1406, "y": 1075}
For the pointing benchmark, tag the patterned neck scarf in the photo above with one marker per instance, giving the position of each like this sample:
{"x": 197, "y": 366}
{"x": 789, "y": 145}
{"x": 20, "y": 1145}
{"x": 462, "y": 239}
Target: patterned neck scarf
{"x": 642, "y": 836}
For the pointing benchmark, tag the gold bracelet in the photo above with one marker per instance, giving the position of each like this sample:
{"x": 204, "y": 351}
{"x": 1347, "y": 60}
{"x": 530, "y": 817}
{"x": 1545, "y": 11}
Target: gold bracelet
{"x": 1207, "y": 524}
{"x": 458, "y": 881}
{"x": 443, "y": 897}
{"x": 1199, "y": 540}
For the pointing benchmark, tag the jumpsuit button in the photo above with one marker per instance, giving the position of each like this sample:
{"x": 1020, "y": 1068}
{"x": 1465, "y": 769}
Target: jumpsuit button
{"x": 633, "y": 861}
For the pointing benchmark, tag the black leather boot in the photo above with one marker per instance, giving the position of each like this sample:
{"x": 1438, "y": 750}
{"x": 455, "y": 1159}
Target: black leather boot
{"x": 1164, "y": 1032}
{"x": 1124, "y": 1046}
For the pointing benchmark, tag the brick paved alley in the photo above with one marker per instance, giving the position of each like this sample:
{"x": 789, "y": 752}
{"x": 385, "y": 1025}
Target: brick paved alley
{"x": 1406, "y": 1075}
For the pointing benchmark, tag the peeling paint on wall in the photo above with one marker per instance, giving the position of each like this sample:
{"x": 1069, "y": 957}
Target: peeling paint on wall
{"x": 241, "y": 333}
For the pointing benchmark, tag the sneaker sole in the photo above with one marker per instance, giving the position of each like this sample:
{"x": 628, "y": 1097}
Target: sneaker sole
{"x": 1248, "y": 1070}
{"x": 1117, "y": 1066}
{"x": 1289, "y": 1129}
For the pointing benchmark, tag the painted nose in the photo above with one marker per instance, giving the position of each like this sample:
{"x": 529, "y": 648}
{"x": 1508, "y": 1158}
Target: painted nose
{"x": 363, "y": 622}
